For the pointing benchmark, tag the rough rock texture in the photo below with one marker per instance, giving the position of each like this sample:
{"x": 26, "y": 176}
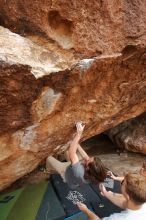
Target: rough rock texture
{"x": 88, "y": 27}
{"x": 75, "y": 60}
{"x": 130, "y": 135}
{"x": 17, "y": 49}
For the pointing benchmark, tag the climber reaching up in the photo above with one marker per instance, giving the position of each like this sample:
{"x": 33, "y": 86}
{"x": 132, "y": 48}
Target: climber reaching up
{"x": 76, "y": 172}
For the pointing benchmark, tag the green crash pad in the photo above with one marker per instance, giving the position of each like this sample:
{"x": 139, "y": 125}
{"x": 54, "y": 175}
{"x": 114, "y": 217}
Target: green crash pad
{"x": 7, "y": 202}
{"x": 28, "y": 203}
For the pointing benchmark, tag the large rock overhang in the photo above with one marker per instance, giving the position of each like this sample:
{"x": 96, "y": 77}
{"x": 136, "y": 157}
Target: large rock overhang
{"x": 102, "y": 92}
{"x": 88, "y": 63}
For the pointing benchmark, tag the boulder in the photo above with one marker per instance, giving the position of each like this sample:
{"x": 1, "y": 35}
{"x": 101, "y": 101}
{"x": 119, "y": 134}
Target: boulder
{"x": 61, "y": 62}
{"x": 130, "y": 135}
{"x": 87, "y": 27}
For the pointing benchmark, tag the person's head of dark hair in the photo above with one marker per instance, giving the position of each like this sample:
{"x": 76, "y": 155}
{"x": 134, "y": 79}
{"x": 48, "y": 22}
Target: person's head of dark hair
{"x": 95, "y": 171}
{"x": 135, "y": 187}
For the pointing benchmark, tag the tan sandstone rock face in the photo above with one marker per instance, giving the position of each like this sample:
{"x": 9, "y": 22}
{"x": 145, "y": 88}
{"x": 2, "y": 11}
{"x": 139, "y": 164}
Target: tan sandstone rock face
{"x": 75, "y": 60}
{"x": 131, "y": 134}
{"x": 88, "y": 27}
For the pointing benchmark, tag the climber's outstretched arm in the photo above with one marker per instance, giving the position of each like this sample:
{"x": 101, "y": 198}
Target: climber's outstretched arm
{"x": 72, "y": 151}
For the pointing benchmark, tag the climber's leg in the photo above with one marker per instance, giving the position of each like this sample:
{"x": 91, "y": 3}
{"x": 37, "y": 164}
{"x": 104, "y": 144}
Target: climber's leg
{"x": 57, "y": 165}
